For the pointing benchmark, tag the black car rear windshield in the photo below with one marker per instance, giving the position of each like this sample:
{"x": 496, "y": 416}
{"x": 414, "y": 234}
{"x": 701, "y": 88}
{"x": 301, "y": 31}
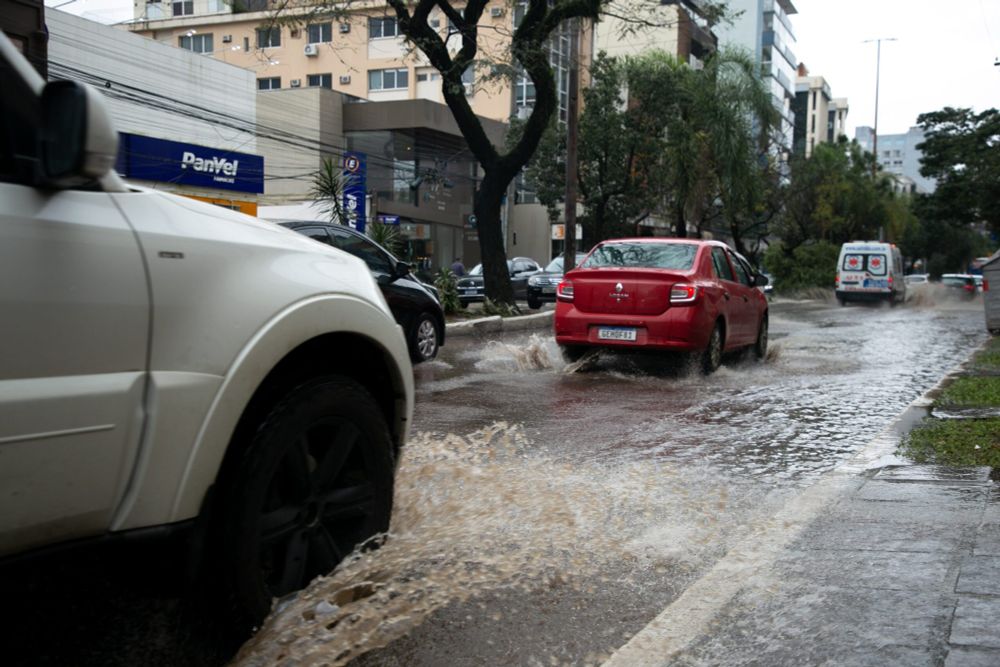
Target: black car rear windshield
{"x": 678, "y": 256}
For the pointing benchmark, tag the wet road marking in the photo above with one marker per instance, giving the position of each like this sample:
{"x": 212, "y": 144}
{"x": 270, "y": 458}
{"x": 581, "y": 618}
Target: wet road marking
{"x": 690, "y": 615}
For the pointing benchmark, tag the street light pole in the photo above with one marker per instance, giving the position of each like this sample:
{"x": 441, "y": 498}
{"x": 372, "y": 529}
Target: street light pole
{"x": 878, "y": 66}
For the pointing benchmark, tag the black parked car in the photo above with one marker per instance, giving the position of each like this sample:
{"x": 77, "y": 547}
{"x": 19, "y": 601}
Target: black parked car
{"x": 472, "y": 289}
{"x": 414, "y": 304}
{"x": 542, "y": 286}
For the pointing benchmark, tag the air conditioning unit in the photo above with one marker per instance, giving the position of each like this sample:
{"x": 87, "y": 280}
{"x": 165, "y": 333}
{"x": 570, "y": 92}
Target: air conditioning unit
{"x": 496, "y": 12}
{"x": 226, "y": 39}
{"x": 311, "y": 49}
{"x": 345, "y": 79}
{"x": 296, "y": 83}
{"x": 345, "y": 27}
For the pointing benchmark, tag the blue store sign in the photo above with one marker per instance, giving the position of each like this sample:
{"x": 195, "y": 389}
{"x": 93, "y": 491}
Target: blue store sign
{"x": 149, "y": 159}
{"x": 355, "y": 188}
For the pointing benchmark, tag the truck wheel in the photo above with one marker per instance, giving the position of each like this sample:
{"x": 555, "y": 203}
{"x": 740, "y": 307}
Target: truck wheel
{"x": 424, "y": 339}
{"x": 315, "y": 482}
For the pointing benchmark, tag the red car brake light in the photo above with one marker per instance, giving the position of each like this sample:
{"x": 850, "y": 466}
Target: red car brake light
{"x": 565, "y": 290}
{"x": 681, "y": 293}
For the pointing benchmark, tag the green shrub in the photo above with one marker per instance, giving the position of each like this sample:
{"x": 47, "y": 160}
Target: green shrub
{"x": 502, "y": 309}
{"x": 447, "y": 286}
{"x": 813, "y": 265}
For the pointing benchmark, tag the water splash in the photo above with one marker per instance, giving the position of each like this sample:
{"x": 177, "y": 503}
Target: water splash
{"x": 485, "y": 513}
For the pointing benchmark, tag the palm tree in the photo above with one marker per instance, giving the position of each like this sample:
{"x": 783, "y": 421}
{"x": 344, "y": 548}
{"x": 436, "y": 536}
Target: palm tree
{"x": 328, "y": 190}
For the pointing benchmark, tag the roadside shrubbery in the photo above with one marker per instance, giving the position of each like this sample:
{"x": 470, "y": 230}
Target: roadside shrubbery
{"x": 812, "y": 265}
{"x": 974, "y": 441}
{"x": 447, "y": 286}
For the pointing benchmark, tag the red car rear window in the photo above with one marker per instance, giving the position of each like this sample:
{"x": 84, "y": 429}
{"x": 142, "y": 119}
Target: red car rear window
{"x": 677, "y": 256}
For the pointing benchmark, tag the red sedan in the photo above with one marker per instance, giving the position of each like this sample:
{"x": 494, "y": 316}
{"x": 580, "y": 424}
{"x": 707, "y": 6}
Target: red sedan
{"x": 679, "y": 295}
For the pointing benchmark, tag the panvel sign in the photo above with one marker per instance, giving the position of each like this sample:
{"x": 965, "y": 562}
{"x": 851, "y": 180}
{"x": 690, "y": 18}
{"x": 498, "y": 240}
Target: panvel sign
{"x": 149, "y": 159}
{"x": 355, "y": 172}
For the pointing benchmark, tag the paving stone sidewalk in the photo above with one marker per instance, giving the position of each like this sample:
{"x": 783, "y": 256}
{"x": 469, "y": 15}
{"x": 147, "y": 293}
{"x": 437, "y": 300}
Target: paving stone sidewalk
{"x": 902, "y": 570}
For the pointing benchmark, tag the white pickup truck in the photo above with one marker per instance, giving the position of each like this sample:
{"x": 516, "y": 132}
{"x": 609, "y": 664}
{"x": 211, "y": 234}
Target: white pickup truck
{"x": 172, "y": 367}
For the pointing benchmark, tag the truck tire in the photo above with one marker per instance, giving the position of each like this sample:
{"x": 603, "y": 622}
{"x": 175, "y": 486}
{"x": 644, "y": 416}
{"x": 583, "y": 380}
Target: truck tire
{"x": 315, "y": 482}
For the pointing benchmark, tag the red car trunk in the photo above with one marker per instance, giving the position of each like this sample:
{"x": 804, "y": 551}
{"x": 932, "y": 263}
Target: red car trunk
{"x": 624, "y": 291}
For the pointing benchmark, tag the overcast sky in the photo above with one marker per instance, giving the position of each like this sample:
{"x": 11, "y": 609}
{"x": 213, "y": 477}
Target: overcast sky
{"x": 943, "y": 55}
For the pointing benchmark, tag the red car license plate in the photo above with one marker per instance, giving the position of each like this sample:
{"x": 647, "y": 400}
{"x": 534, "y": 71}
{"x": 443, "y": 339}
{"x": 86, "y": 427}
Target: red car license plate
{"x": 616, "y": 333}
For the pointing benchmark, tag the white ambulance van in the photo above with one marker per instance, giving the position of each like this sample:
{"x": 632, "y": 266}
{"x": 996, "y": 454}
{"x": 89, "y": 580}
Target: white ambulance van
{"x": 870, "y": 271}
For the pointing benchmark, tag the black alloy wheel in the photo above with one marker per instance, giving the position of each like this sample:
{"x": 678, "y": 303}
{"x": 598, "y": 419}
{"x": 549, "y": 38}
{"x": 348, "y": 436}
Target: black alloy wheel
{"x": 316, "y": 481}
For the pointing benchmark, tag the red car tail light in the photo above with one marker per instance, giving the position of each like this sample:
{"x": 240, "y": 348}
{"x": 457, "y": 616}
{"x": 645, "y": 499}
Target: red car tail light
{"x": 681, "y": 293}
{"x": 565, "y": 290}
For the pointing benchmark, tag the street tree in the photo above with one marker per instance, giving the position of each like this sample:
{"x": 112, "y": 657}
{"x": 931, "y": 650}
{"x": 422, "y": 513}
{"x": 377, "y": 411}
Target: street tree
{"x": 961, "y": 151}
{"x": 526, "y": 50}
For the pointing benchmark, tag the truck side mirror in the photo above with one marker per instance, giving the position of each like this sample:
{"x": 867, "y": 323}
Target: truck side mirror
{"x": 79, "y": 143}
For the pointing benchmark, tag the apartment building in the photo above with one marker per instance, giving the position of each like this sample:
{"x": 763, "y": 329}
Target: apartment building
{"x": 764, "y": 29}
{"x": 898, "y": 155}
{"x": 361, "y": 54}
{"x": 819, "y": 117}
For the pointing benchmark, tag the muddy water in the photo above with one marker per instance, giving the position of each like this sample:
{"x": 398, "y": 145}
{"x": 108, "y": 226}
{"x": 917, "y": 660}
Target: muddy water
{"x": 544, "y": 512}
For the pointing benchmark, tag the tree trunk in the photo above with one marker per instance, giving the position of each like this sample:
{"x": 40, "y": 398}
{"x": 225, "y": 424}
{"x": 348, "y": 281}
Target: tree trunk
{"x": 489, "y": 201}
{"x": 680, "y": 223}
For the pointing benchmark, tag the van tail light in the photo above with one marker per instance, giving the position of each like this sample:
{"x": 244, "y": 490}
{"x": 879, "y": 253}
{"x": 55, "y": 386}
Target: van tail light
{"x": 986, "y": 285}
{"x": 683, "y": 293}
{"x": 890, "y": 282}
{"x": 565, "y": 291}
{"x": 836, "y": 282}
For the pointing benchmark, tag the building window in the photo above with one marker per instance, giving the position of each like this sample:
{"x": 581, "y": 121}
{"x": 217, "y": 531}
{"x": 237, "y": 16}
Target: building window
{"x": 268, "y": 37}
{"x": 524, "y": 91}
{"x": 382, "y": 27}
{"x": 320, "y": 33}
{"x": 269, "y": 83}
{"x": 320, "y": 80}
{"x": 183, "y": 8}
{"x": 388, "y": 79}
{"x": 197, "y": 43}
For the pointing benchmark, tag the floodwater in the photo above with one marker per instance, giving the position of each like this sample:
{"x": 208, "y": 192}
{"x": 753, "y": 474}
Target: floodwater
{"x": 546, "y": 512}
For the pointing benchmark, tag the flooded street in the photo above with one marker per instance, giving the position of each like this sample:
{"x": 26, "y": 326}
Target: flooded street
{"x": 546, "y": 513}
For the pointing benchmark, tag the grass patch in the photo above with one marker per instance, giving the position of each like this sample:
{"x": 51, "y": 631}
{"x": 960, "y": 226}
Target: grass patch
{"x": 989, "y": 357}
{"x": 971, "y": 391}
{"x": 956, "y": 442}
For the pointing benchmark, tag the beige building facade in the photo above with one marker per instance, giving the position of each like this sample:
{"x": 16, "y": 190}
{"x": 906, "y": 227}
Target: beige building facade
{"x": 362, "y": 54}
{"x": 819, "y": 117}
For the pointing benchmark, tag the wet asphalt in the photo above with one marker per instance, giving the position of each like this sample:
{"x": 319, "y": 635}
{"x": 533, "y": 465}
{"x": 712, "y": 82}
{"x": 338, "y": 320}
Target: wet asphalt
{"x": 625, "y": 488}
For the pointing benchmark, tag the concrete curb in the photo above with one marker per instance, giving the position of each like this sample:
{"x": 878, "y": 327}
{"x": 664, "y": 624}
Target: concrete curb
{"x": 496, "y": 323}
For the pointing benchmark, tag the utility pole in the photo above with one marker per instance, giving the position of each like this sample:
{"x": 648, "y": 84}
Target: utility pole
{"x": 569, "y": 227}
{"x": 878, "y": 64}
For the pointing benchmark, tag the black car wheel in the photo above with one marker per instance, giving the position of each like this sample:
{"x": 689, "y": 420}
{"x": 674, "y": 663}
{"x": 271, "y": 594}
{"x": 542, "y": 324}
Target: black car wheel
{"x": 423, "y": 338}
{"x": 711, "y": 358}
{"x": 315, "y": 482}
{"x": 760, "y": 347}
{"x": 572, "y": 352}
{"x": 534, "y": 303}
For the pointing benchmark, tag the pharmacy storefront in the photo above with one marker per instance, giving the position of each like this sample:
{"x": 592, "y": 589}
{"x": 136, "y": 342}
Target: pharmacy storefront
{"x": 217, "y": 176}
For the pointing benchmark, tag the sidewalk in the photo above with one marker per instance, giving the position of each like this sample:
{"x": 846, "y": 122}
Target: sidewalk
{"x": 903, "y": 570}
